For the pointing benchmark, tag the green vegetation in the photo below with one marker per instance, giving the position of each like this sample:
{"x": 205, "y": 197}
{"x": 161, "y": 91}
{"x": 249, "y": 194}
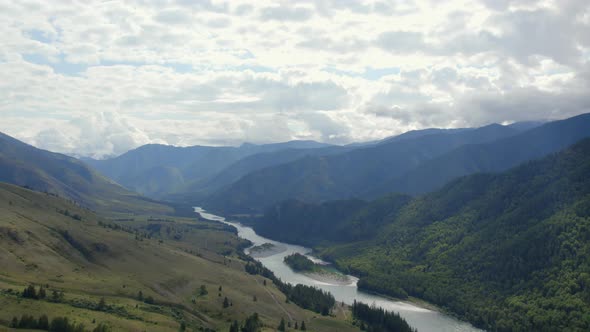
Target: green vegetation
{"x": 132, "y": 272}
{"x": 375, "y": 319}
{"x": 57, "y": 174}
{"x": 507, "y": 251}
{"x": 307, "y": 297}
{"x": 58, "y": 324}
{"x": 349, "y": 174}
{"x": 156, "y": 170}
{"x": 411, "y": 165}
{"x": 299, "y": 262}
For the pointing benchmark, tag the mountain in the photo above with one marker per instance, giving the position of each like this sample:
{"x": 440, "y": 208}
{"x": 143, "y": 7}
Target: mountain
{"x": 157, "y": 170}
{"x": 490, "y": 157}
{"x": 150, "y": 274}
{"x": 197, "y": 190}
{"x": 507, "y": 251}
{"x": 344, "y": 175}
{"x": 25, "y": 165}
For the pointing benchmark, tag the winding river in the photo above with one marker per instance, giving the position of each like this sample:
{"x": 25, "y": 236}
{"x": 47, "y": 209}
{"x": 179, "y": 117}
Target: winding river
{"x": 425, "y": 320}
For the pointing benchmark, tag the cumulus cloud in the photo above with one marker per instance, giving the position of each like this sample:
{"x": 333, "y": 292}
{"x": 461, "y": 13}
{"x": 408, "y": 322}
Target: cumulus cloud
{"x": 98, "y": 78}
{"x": 102, "y": 134}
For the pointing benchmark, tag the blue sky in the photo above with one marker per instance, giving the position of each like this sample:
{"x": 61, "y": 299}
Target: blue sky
{"x": 98, "y": 78}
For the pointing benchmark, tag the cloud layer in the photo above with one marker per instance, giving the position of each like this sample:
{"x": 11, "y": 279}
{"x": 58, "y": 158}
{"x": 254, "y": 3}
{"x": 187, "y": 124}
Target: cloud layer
{"x": 99, "y": 78}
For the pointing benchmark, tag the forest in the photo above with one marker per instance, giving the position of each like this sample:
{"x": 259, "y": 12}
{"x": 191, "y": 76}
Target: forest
{"x": 507, "y": 251}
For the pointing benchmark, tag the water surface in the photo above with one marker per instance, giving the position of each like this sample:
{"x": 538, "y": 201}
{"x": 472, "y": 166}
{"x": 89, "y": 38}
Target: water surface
{"x": 425, "y": 320}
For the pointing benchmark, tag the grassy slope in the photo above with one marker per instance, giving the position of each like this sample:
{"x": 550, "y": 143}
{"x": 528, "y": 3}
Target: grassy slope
{"x": 117, "y": 264}
{"x": 25, "y": 165}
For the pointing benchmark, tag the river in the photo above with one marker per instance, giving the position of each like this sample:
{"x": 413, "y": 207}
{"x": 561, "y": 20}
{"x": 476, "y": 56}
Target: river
{"x": 425, "y": 320}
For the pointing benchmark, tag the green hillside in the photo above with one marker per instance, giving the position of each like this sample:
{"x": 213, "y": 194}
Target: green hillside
{"x": 134, "y": 273}
{"x": 25, "y": 165}
{"x": 508, "y": 251}
{"x": 490, "y": 157}
{"x": 344, "y": 175}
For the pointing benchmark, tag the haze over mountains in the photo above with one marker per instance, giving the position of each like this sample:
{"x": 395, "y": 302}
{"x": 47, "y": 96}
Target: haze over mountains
{"x": 464, "y": 243}
{"x": 251, "y": 177}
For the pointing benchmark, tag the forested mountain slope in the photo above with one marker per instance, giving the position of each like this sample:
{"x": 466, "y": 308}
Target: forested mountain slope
{"x": 345, "y": 175}
{"x": 508, "y": 251}
{"x": 490, "y": 157}
{"x": 157, "y": 170}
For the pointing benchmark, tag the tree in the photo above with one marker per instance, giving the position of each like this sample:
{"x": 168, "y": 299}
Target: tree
{"x": 203, "y": 290}
{"x": 140, "y": 296}
{"x": 59, "y": 324}
{"x": 252, "y": 323}
{"x": 225, "y": 302}
{"x": 234, "y": 327}
{"x": 220, "y": 288}
{"x": 30, "y": 292}
{"x": 14, "y": 322}
{"x": 281, "y": 325}
{"x": 182, "y": 327}
{"x": 55, "y": 296}
{"x": 102, "y": 327}
{"x": 42, "y": 294}
{"x": 254, "y": 298}
{"x": 43, "y": 323}
{"x": 303, "y": 328}
{"x": 101, "y": 304}
{"x": 296, "y": 326}
{"x": 27, "y": 322}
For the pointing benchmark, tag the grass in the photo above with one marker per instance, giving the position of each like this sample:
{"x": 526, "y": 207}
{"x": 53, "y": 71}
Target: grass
{"x": 115, "y": 258}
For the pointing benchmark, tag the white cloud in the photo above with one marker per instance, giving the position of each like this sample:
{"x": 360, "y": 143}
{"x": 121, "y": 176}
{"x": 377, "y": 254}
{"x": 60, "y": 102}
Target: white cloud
{"x": 97, "y": 78}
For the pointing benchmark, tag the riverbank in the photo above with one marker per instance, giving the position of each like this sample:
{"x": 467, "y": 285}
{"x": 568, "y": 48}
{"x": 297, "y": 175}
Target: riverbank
{"x": 422, "y": 316}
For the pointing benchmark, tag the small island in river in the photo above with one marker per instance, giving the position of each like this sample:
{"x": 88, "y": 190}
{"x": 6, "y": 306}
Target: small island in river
{"x": 300, "y": 263}
{"x": 265, "y": 250}
{"x": 320, "y": 272}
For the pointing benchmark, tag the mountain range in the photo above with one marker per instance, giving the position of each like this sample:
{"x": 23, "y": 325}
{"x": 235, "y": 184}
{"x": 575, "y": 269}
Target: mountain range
{"x": 507, "y": 251}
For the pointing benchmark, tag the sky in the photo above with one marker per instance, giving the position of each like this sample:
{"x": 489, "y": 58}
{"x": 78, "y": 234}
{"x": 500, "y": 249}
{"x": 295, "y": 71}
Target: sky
{"x": 97, "y": 78}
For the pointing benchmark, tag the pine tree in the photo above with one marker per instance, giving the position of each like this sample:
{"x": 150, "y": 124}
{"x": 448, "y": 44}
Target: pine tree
{"x": 203, "y": 290}
{"x": 234, "y": 327}
{"x": 30, "y": 292}
{"x": 43, "y": 323}
{"x": 55, "y": 296}
{"x": 225, "y": 302}
{"x": 296, "y": 326}
{"x": 281, "y": 325}
{"x": 303, "y": 328}
{"x": 101, "y": 304}
{"x": 14, "y": 322}
{"x": 140, "y": 296}
{"x": 42, "y": 294}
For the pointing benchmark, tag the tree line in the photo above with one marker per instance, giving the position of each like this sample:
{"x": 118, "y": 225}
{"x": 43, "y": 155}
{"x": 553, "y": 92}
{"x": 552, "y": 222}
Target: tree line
{"x": 307, "y": 297}
{"x": 57, "y": 324}
{"x": 376, "y": 319}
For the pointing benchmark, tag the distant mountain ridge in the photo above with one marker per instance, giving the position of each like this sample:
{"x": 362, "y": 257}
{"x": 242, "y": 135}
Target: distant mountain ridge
{"x": 41, "y": 170}
{"x": 490, "y": 157}
{"x": 343, "y": 175}
{"x": 412, "y": 163}
{"x": 157, "y": 170}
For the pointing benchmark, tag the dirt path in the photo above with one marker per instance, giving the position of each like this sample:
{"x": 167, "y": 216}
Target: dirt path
{"x": 274, "y": 298}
